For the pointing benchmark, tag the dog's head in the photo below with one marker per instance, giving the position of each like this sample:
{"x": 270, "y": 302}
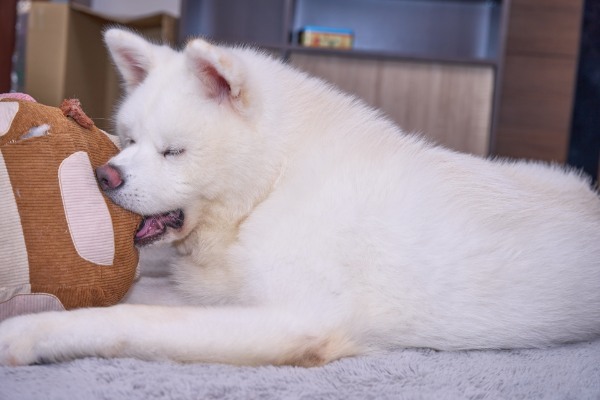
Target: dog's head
{"x": 189, "y": 129}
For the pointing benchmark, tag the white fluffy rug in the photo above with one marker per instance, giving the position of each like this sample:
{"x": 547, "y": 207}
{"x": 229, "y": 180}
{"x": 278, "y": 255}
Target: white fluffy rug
{"x": 567, "y": 372}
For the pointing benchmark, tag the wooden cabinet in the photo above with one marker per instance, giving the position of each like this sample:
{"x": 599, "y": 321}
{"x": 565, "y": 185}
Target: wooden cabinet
{"x": 538, "y": 80}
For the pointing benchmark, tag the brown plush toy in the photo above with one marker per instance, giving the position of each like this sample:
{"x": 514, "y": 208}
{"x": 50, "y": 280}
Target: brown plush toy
{"x": 63, "y": 244}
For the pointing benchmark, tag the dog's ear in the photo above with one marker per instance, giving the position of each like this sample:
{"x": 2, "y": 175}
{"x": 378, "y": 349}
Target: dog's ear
{"x": 131, "y": 54}
{"x": 219, "y": 71}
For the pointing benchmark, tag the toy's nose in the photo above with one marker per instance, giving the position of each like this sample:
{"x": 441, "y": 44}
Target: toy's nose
{"x": 109, "y": 177}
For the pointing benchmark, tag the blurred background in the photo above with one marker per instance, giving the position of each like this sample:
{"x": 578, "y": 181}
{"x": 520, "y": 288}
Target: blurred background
{"x": 500, "y": 78}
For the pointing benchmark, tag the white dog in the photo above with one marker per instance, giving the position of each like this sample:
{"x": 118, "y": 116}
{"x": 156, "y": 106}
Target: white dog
{"x": 309, "y": 227}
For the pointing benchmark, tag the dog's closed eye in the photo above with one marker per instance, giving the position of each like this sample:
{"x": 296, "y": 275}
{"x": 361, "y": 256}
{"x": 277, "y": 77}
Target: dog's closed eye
{"x": 172, "y": 152}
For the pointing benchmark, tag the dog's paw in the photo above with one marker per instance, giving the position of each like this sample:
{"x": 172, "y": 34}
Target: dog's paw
{"x": 26, "y": 339}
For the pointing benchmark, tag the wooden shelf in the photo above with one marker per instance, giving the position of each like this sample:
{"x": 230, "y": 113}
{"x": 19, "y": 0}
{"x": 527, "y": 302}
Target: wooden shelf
{"x": 383, "y": 55}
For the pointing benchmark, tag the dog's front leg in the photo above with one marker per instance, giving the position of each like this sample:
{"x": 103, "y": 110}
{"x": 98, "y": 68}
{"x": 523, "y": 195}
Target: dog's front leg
{"x": 248, "y": 336}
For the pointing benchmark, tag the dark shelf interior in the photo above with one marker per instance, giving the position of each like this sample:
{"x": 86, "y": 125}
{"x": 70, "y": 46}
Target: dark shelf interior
{"x": 428, "y": 28}
{"x": 442, "y": 30}
{"x": 258, "y": 22}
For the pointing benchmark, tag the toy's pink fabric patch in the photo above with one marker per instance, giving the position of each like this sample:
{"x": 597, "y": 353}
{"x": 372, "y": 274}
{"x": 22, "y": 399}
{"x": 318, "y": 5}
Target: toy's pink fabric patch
{"x": 31, "y": 303}
{"x": 8, "y": 110}
{"x": 87, "y": 215}
{"x": 14, "y": 261}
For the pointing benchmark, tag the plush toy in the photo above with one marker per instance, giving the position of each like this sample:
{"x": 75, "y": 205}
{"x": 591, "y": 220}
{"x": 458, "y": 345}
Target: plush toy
{"x": 63, "y": 244}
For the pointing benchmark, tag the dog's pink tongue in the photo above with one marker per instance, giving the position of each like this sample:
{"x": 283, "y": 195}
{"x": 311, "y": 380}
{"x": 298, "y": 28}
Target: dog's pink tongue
{"x": 154, "y": 226}
{"x": 150, "y": 227}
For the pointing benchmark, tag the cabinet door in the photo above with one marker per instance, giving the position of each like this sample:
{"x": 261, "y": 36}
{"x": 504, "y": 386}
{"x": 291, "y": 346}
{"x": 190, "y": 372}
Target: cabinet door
{"x": 449, "y": 104}
{"x": 539, "y": 79}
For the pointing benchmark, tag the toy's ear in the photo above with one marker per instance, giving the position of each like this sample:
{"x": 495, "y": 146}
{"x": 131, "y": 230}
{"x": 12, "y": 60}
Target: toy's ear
{"x": 132, "y": 55}
{"x": 219, "y": 71}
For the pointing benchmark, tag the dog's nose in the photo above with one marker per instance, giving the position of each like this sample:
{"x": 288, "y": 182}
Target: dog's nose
{"x": 109, "y": 177}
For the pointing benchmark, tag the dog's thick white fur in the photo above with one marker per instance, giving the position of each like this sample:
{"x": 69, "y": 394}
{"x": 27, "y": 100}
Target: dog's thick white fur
{"x": 316, "y": 229}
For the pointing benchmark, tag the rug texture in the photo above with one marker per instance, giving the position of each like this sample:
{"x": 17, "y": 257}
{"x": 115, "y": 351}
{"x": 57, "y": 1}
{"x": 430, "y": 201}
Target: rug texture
{"x": 566, "y": 372}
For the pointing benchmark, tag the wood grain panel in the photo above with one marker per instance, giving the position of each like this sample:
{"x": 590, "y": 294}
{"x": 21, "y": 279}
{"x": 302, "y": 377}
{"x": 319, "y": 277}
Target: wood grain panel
{"x": 538, "y": 79}
{"x": 536, "y": 107}
{"x": 572, "y": 4}
{"x": 544, "y": 30}
{"x": 532, "y": 143}
{"x": 450, "y": 104}
{"x": 550, "y": 75}
{"x": 353, "y": 75}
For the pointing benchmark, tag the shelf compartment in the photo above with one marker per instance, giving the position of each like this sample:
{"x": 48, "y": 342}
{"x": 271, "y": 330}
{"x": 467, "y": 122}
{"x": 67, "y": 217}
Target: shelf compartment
{"x": 258, "y": 22}
{"x": 451, "y": 29}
